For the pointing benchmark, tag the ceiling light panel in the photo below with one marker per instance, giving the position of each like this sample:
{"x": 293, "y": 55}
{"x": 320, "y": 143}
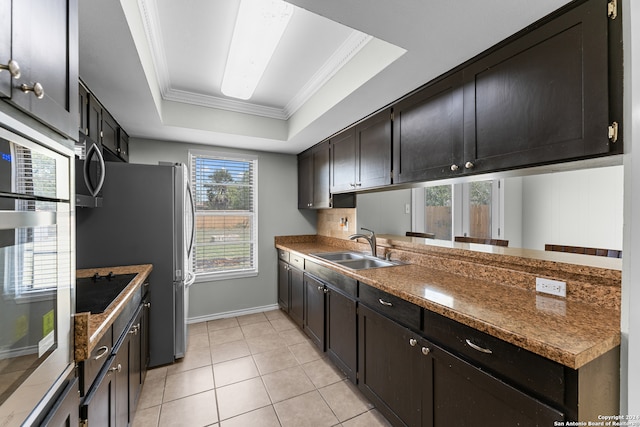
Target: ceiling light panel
{"x": 259, "y": 27}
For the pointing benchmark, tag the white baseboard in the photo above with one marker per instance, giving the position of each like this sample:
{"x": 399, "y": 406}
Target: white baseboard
{"x": 235, "y": 313}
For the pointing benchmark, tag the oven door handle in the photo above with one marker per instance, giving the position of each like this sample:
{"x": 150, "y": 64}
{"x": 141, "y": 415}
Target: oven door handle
{"x": 93, "y": 150}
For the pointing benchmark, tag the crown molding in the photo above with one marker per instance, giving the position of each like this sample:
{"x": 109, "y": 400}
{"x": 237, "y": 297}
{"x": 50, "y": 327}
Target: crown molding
{"x": 349, "y": 48}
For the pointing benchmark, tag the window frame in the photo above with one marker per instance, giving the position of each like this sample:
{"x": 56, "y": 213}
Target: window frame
{"x": 211, "y": 276}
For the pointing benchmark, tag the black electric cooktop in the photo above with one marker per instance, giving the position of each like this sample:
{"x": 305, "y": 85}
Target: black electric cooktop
{"x": 95, "y": 293}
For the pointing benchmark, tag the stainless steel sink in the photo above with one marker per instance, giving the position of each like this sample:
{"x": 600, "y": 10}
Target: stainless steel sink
{"x": 339, "y": 256}
{"x": 355, "y": 260}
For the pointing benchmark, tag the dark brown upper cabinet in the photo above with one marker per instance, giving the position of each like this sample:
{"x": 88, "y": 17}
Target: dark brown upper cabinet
{"x": 428, "y": 132}
{"x": 361, "y": 155}
{"x": 313, "y": 178}
{"x": 343, "y": 161}
{"x": 44, "y": 44}
{"x": 543, "y": 97}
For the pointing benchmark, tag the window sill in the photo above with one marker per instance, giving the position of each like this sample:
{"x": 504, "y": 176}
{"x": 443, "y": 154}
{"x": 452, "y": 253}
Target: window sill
{"x": 213, "y": 277}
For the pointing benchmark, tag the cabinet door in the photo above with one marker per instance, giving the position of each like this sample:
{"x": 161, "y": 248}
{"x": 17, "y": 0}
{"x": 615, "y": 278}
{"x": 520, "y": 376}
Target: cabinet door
{"x": 373, "y": 151}
{"x": 321, "y": 194}
{"x": 123, "y": 144}
{"x": 343, "y": 161}
{"x": 314, "y": 310}
{"x": 45, "y": 44}
{"x": 94, "y": 119}
{"x": 65, "y": 412}
{"x": 471, "y": 397}
{"x": 144, "y": 338}
{"x": 428, "y": 132}
{"x": 283, "y": 285}
{"x": 296, "y": 293}
{"x": 99, "y": 407}
{"x": 135, "y": 358}
{"x": 122, "y": 376}
{"x": 543, "y": 97}
{"x": 341, "y": 337}
{"x": 109, "y": 133}
{"x": 5, "y": 47}
{"x": 305, "y": 180}
{"x": 83, "y": 110}
{"x": 389, "y": 367}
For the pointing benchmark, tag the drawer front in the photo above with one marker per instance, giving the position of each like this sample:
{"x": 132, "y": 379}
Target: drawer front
{"x": 346, "y": 284}
{"x": 296, "y": 261}
{"x": 283, "y": 255}
{"x": 89, "y": 368}
{"x": 395, "y": 308}
{"x": 516, "y": 365}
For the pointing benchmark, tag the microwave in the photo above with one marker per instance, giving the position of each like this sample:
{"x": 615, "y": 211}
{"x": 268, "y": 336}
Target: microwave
{"x": 90, "y": 172}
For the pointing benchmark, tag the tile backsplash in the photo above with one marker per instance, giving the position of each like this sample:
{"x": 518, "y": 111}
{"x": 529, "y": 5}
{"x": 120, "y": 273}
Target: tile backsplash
{"x": 330, "y": 222}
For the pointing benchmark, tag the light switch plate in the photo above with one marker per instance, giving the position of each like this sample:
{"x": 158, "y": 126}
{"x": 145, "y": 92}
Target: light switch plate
{"x": 551, "y": 287}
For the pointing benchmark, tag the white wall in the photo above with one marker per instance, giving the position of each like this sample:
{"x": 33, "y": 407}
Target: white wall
{"x": 630, "y": 325}
{"x": 277, "y": 215}
{"x": 384, "y": 212}
{"x": 576, "y": 208}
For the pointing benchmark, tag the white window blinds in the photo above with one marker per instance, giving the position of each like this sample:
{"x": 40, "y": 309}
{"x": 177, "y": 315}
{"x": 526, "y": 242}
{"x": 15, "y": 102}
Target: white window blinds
{"x": 225, "y": 194}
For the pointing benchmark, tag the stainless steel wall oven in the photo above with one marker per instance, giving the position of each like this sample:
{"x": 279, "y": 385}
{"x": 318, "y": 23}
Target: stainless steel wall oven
{"x": 37, "y": 272}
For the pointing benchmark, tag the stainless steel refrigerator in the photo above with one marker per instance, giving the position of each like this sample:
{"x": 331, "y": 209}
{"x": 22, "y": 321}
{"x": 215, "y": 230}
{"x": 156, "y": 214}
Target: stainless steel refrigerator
{"x": 147, "y": 217}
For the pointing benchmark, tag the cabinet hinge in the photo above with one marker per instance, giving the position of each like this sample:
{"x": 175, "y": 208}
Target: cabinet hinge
{"x": 84, "y": 423}
{"x": 357, "y": 375}
{"x": 612, "y": 9}
{"x": 392, "y": 116}
{"x": 613, "y": 132}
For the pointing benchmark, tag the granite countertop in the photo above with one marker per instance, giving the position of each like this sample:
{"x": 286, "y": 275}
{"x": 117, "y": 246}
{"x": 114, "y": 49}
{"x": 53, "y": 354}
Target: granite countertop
{"x": 90, "y": 328}
{"x": 569, "y": 332}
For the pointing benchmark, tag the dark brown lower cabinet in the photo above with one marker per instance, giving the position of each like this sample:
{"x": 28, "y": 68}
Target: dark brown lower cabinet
{"x": 296, "y": 291}
{"x": 113, "y": 397}
{"x": 341, "y": 331}
{"x": 389, "y": 367}
{"x": 283, "y": 285}
{"x": 413, "y": 382}
{"x": 314, "y": 309}
{"x": 463, "y": 395}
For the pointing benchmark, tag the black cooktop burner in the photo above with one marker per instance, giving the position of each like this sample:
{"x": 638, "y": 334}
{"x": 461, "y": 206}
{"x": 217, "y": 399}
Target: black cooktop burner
{"x": 95, "y": 293}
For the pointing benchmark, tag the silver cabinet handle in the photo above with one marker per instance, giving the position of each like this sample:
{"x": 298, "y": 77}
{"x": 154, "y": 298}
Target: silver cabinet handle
{"x": 325, "y": 290}
{"x": 147, "y": 305}
{"x": 426, "y": 350}
{"x": 385, "y": 303}
{"x": 413, "y": 342}
{"x": 37, "y": 89}
{"x": 13, "y": 67}
{"x": 469, "y": 165}
{"x": 478, "y": 348}
{"x": 116, "y": 368}
{"x": 101, "y": 352}
{"x": 454, "y": 168}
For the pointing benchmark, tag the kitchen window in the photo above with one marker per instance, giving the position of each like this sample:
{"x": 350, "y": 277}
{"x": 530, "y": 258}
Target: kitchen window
{"x": 226, "y": 221}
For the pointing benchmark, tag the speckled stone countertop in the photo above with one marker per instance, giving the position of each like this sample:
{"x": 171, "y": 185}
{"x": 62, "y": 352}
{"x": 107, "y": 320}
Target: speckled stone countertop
{"x": 568, "y": 330}
{"x": 89, "y": 328}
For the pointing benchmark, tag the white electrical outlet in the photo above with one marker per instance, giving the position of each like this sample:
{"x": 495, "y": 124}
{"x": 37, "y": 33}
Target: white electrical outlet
{"x": 552, "y": 287}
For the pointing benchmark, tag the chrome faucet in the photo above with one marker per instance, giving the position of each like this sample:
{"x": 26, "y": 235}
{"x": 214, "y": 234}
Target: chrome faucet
{"x": 371, "y": 238}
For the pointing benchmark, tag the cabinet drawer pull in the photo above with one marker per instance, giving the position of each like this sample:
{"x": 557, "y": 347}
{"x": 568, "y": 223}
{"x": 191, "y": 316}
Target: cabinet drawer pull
{"x": 37, "y": 89}
{"x": 426, "y": 350}
{"x": 478, "y": 348}
{"x": 147, "y": 304}
{"x": 413, "y": 342}
{"x": 385, "y": 303}
{"x": 469, "y": 165}
{"x": 13, "y": 67}
{"x": 101, "y": 352}
{"x": 321, "y": 288}
{"x": 454, "y": 168}
{"x": 116, "y": 368}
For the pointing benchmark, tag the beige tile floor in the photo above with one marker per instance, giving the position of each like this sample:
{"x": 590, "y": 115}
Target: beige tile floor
{"x": 254, "y": 370}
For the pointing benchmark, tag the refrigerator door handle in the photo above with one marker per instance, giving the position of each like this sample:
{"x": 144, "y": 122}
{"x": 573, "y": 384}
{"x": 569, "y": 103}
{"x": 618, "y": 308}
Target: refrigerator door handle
{"x": 193, "y": 219}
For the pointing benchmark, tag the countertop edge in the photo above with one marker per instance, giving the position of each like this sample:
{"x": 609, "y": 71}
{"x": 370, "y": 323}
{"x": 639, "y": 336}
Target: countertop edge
{"x": 86, "y": 333}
